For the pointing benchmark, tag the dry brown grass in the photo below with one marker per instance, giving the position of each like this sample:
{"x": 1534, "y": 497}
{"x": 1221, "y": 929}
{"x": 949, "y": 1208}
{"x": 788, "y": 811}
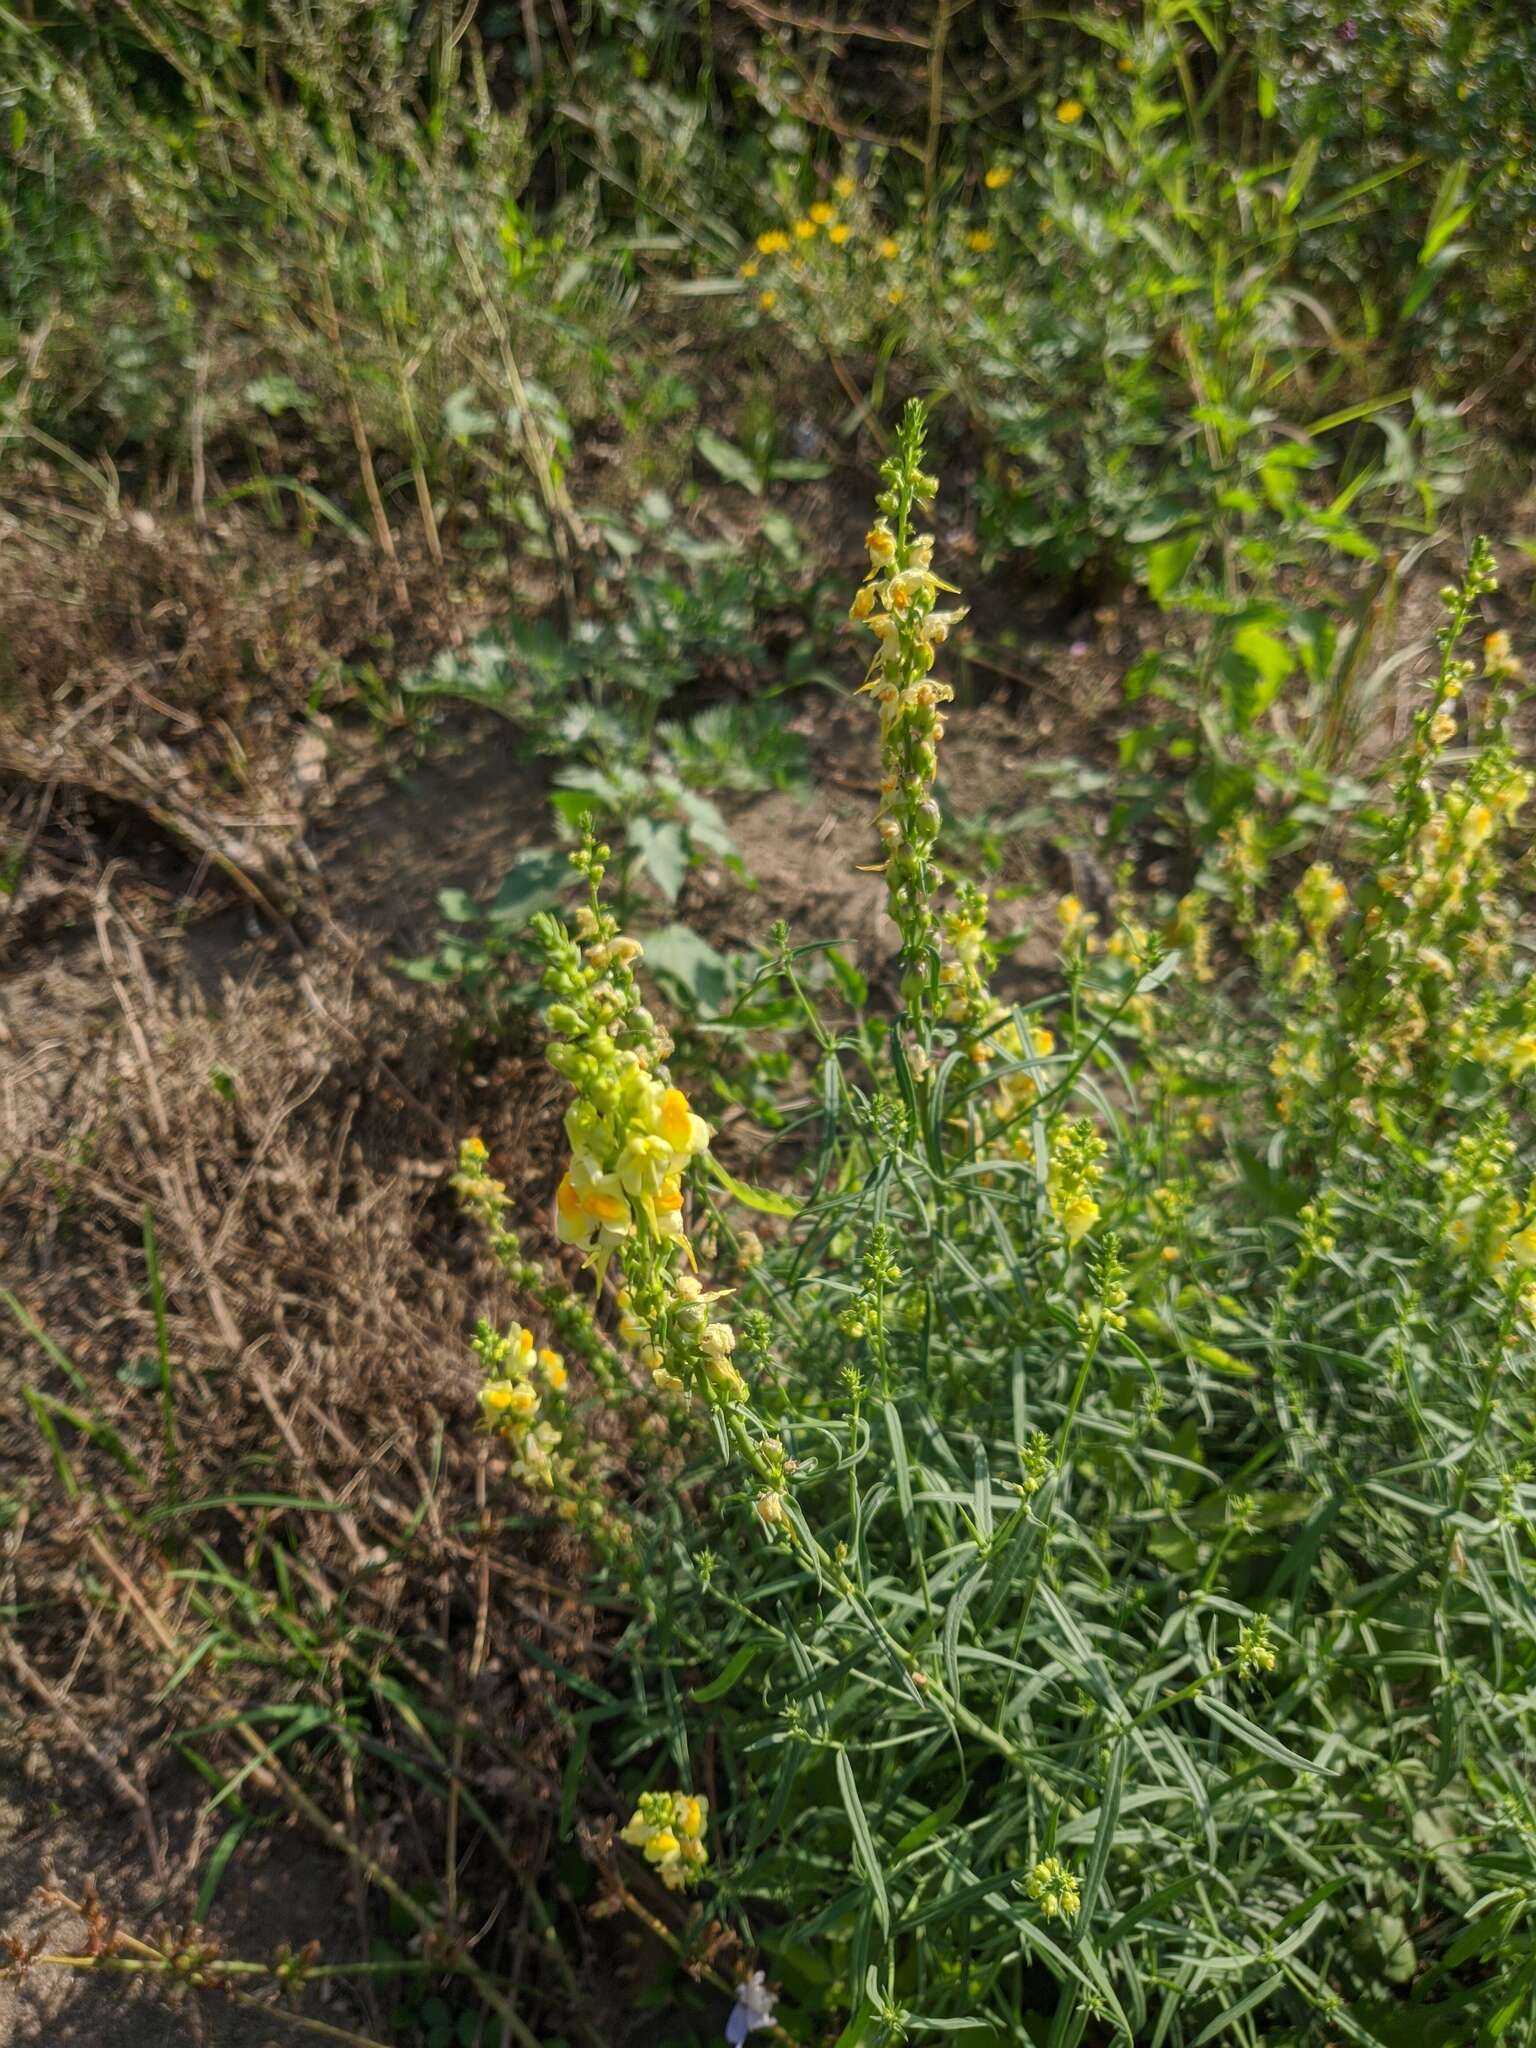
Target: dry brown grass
{"x": 288, "y": 1112}
{"x": 292, "y": 1141}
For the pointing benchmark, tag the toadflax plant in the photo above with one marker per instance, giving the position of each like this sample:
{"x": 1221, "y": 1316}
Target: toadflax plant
{"x": 1095, "y": 1593}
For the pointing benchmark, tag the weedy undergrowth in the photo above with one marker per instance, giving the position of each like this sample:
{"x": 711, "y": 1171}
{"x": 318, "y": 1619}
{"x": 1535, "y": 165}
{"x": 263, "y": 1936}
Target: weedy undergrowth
{"x": 1093, "y": 1603}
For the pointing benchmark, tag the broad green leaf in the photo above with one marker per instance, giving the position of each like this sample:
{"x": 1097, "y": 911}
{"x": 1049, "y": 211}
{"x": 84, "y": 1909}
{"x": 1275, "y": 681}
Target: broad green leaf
{"x": 729, "y": 461}
{"x": 679, "y": 954}
{"x": 663, "y": 852}
{"x": 535, "y": 881}
{"x": 1167, "y": 563}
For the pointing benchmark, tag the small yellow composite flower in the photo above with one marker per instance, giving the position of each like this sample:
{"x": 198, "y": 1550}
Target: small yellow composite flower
{"x": 1068, "y": 111}
{"x": 844, "y": 187}
{"x": 837, "y": 233}
{"x": 767, "y": 300}
{"x": 772, "y": 242}
{"x": 821, "y": 213}
{"x": 979, "y": 241}
{"x": 805, "y": 230}
{"x": 997, "y": 177}
{"x": 750, "y": 267}
{"x": 888, "y": 247}
{"x": 895, "y": 295}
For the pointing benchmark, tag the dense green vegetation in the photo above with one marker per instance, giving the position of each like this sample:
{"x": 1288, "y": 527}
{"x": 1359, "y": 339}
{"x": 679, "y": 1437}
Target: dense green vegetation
{"x": 1045, "y": 1450}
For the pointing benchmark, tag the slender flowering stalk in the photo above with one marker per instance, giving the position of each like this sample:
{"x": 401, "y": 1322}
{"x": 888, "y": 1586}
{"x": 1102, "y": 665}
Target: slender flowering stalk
{"x": 633, "y": 1136}
{"x": 898, "y": 604}
{"x": 484, "y": 1198}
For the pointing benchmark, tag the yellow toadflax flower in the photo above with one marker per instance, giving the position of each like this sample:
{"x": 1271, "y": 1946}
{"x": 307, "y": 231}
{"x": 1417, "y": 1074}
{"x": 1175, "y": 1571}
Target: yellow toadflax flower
{"x": 552, "y": 1366}
{"x": 1077, "y": 1156}
{"x": 633, "y": 1136}
{"x": 1499, "y": 663}
{"x": 668, "y": 1828}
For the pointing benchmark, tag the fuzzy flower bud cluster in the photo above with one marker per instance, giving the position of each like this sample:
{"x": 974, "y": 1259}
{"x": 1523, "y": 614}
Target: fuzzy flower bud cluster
{"x": 1256, "y": 1656}
{"x": 1054, "y": 1889}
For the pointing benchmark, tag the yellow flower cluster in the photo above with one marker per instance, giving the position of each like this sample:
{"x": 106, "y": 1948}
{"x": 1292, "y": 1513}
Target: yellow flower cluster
{"x": 1322, "y": 900}
{"x": 1300, "y": 1061}
{"x": 1436, "y": 927}
{"x": 1499, "y": 663}
{"x": 668, "y": 1829}
{"x": 1077, "y": 1164}
{"x": 569, "y": 1316}
{"x": 518, "y": 1372}
{"x": 794, "y": 253}
{"x": 631, "y": 1159}
{"x": 1018, "y": 1089}
{"x": 1054, "y": 1889}
{"x": 1244, "y": 864}
{"x": 1190, "y": 932}
{"x": 1484, "y": 1221}
{"x": 1442, "y": 871}
{"x": 633, "y": 1136}
{"x": 1501, "y": 1039}
{"x": 1078, "y": 926}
